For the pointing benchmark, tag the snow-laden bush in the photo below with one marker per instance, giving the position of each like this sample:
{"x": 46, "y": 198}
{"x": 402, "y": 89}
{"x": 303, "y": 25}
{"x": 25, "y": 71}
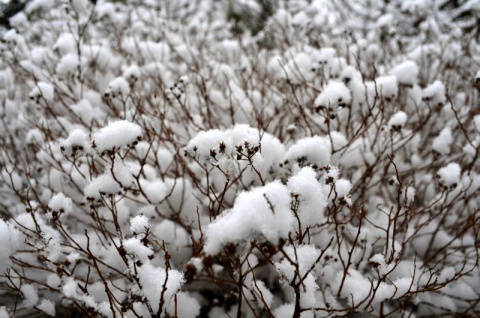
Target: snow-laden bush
{"x": 158, "y": 159}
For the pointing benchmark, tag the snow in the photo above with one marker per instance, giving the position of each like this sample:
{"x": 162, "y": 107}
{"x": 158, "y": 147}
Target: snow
{"x": 476, "y": 120}
{"x": 67, "y": 65}
{"x": 44, "y": 90}
{"x": 446, "y": 274}
{"x": 406, "y": 73}
{"x": 300, "y": 20}
{"x": 152, "y": 280}
{"x": 65, "y": 44}
{"x": 61, "y": 204}
{"x": 379, "y": 262}
{"x": 19, "y": 20}
{"x": 79, "y": 5}
{"x": 403, "y": 285}
{"x": 305, "y": 258}
{"x": 441, "y": 144}
{"x": 343, "y": 187}
{"x": 191, "y": 309}
{"x": 41, "y": 5}
{"x": 132, "y": 74}
{"x": 262, "y": 292}
{"x": 326, "y": 56}
{"x": 12, "y": 36}
{"x": 116, "y": 135}
{"x": 4, "y": 313}
{"x": 449, "y": 176}
{"x": 410, "y": 194}
{"x": 205, "y": 141}
{"x": 334, "y": 95}
{"x": 434, "y": 93}
{"x": 47, "y": 306}
{"x": 311, "y": 200}
{"x": 9, "y": 242}
{"x": 169, "y": 232}
{"x": 261, "y": 140}
{"x": 102, "y": 185}
{"x": 119, "y": 87}
{"x": 73, "y": 258}
{"x": 461, "y": 290}
{"x": 134, "y": 246}
{"x": 298, "y": 69}
{"x": 31, "y": 295}
{"x": 387, "y": 87}
{"x": 356, "y": 287}
{"x": 314, "y": 150}
{"x": 397, "y": 121}
{"x": 155, "y": 191}
{"x": 84, "y": 110}
{"x": 237, "y": 143}
{"x": 138, "y": 224}
{"x": 76, "y": 143}
{"x": 284, "y": 311}
{"x": 338, "y": 140}
{"x": 263, "y": 210}
{"x": 34, "y": 137}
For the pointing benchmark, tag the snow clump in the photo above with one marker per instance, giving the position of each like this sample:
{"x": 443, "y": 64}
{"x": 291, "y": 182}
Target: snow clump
{"x": 76, "y": 143}
{"x": 315, "y": 151}
{"x": 9, "y": 242}
{"x": 263, "y": 210}
{"x": 406, "y": 73}
{"x": 116, "y": 135}
{"x": 153, "y": 279}
{"x": 31, "y": 295}
{"x": 387, "y": 87}
{"x": 138, "y": 224}
{"x": 434, "y": 93}
{"x": 119, "y": 87}
{"x": 60, "y": 205}
{"x": 397, "y": 121}
{"x": 335, "y": 94}
{"x": 44, "y": 90}
{"x": 449, "y": 176}
{"x": 441, "y": 143}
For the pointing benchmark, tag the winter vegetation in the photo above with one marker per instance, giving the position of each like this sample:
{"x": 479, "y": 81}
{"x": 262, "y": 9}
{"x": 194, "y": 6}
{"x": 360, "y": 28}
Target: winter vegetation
{"x": 240, "y": 159}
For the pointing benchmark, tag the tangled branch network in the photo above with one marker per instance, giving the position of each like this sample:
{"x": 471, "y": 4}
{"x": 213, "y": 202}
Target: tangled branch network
{"x": 240, "y": 159}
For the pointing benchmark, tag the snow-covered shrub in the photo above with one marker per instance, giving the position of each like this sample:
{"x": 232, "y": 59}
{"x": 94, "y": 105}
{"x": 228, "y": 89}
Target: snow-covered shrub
{"x": 158, "y": 159}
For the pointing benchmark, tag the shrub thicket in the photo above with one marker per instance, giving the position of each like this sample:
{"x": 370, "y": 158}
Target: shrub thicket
{"x": 176, "y": 159}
